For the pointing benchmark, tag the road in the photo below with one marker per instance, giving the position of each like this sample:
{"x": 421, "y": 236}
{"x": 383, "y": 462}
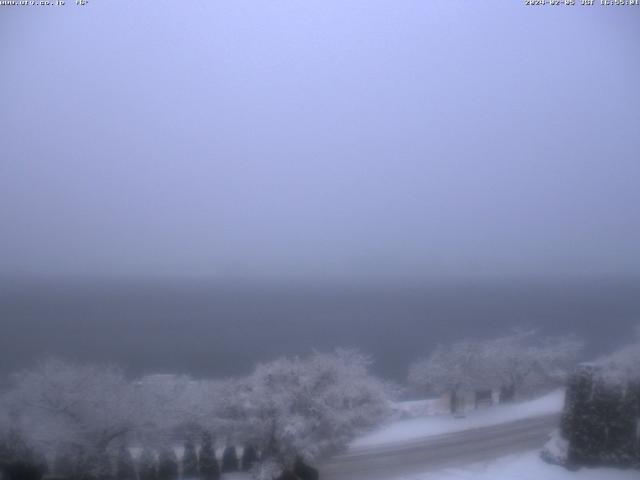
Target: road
{"x": 455, "y": 449}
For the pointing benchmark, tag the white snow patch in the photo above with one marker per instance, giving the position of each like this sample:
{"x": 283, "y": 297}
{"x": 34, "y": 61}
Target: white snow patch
{"x": 236, "y": 476}
{"x": 556, "y": 450}
{"x": 418, "y": 408}
{"x": 418, "y": 428}
{"x": 525, "y": 466}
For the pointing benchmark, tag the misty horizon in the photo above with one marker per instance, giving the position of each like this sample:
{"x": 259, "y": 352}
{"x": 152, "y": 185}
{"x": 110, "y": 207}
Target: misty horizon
{"x": 220, "y": 329}
{"x": 307, "y": 141}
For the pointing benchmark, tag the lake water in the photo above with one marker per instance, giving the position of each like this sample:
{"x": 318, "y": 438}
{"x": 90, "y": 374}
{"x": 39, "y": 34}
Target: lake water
{"x": 212, "y": 330}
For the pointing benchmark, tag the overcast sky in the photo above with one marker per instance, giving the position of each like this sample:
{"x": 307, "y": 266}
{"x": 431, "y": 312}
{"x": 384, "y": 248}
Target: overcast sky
{"x": 319, "y": 138}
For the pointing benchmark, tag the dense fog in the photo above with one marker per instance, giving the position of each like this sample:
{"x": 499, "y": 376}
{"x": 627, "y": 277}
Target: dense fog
{"x": 315, "y": 140}
{"x": 355, "y": 239}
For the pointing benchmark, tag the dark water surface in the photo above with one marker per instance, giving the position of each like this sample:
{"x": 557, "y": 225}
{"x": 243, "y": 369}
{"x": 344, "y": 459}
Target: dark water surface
{"x": 207, "y": 329}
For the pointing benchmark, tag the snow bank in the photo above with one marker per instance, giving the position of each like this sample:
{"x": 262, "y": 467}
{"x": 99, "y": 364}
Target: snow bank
{"x": 418, "y": 428}
{"x": 556, "y": 450}
{"x": 526, "y": 466}
{"x": 418, "y": 408}
{"x": 620, "y": 367}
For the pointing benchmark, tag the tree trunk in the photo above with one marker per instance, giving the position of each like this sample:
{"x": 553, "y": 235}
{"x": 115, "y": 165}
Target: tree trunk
{"x": 453, "y": 405}
{"x": 507, "y": 393}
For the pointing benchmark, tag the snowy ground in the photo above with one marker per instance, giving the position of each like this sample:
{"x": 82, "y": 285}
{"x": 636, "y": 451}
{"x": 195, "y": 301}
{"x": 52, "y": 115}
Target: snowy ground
{"x": 427, "y": 426}
{"x": 418, "y": 408}
{"x": 525, "y": 466}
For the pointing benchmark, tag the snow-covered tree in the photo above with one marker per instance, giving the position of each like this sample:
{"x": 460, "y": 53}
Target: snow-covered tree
{"x": 18, "y": 459}
{"x": 68, "y": 408}
{"x": 63, "y": 464}
{"x": 522, "y": 361}
{"x": 310, "y": 406}
{"x": 450, "y": 369}
{"x": 125, "y": 467}
{"x": 622, "y": 366}
{"x": 167, "y": 465}
{"x": 209, "y": 469}
{"x": 177, "y": 406}
{"x": 511, "y": 363}
{"x": 85, "y": 414}
{"x": 249, "y": 457}
{"x": 170, "y": 403}
{"x": 229, "y": 460}
{"x": 189, "y": 460}
{"x": 147, "y": 465}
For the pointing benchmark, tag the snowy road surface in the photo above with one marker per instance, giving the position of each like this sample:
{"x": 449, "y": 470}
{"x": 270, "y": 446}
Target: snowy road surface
{"x": 522, "y": 466}
{"x": 450, "y": 450}
{"x": 419, "y": 427}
